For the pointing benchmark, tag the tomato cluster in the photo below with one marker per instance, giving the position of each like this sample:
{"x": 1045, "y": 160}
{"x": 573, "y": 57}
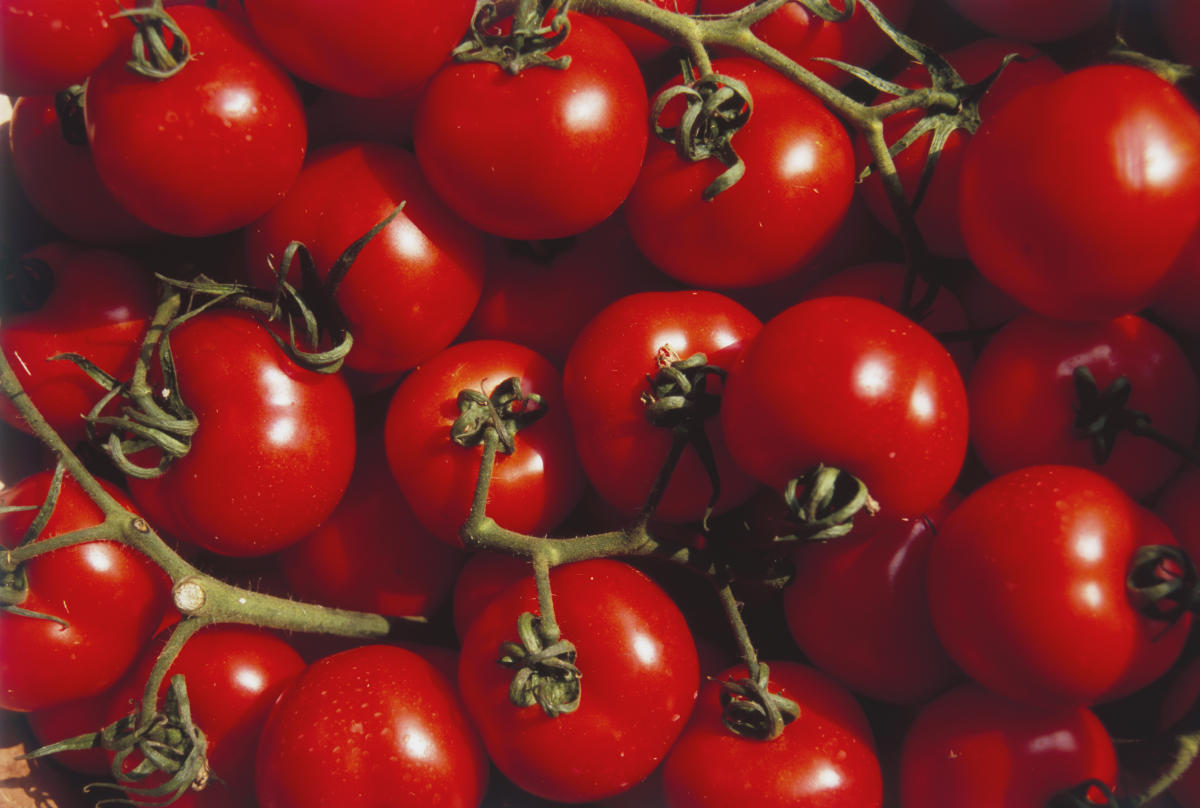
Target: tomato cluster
{"x": 913, "y": 392}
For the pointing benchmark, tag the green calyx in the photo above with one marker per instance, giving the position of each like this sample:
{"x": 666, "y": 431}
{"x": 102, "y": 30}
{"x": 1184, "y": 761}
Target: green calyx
{"x": 529, "y": 41}
{"x": 160, "y": 48}
{"x": 824, "y": 501}
{"x": 546, "y": 674}
{"x": 507, "y": 410}
{"x": 751, "y": 710}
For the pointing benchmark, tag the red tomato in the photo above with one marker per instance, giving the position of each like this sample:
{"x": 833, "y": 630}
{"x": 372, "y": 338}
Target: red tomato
{"x": 1033, "y": 20}
{"x": 825, "y": 758}
{"x": 797, "y": 188}
{"x": 413, "y": 286}
{"x": 852, "y": 384}
{"x": 856, "y": 607}
{"x": 48, "y": 46}
{"x": 532, "y": 489}
{"x": 98, "y": 306}
{"x": 375, "y": 725}
{"x": 1178, "y": 299}
{"x": 1023, "y": 399}
{"x": 1040, "y": 556}
{"x": 376, "y": 49}
{"x": 973, "y": 749}
{"x": 1179, "y": 507}
{"x": 1104, "y": 191}
{"x": 639, "y": 682}
{"x": 1181, "y": 694}
{"x": 60, "y": 179}
{"x": 641, "y": 43}
{"x": 501, "y": 150}
{"x": 606, "y": 376}
{"x": 207, "y": 150}
{"x": 234, "y": 674}
{"x": 111, "y": 596}
{"x": 70, "y": 719}
{"x": 483, "y": 577}
{"x": 274, "y": 450}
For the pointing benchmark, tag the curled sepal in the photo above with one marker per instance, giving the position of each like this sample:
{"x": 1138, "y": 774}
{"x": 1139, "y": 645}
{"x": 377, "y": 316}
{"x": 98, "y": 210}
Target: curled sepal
{"x": 528, "y": 42}
{"x": 546, "y": 674}
{"x": 160, "y": 48}
{"x": 824, "y": 501}
{"x": 507, "y": 410}
{"x": 1163, "y": 582}
{"x": 1085, "y": 795}
{"x": 1102, "y": 415}
{"x": 717, "y": 107}
{"x": 68, "y": 107}
{"x": 751, "y": 710}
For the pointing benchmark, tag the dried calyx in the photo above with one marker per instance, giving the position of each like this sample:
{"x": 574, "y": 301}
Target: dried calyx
{"x": 537, "y": 27}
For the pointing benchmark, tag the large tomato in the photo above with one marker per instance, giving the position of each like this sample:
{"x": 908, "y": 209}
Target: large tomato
{"x": 639, "y": 680}
{"x": 274, "y": 449}
{"x": 111, "y": 597}
{"x": 1077, "y": 195}
{"x": 1033, "y": 20}
{"x": 48, "y": 46}
{"x": 796, "y": 190}
{"x": 543, "y": 154}
{"x": 849, "y": 383}
{"x": 606, "y": 376}
{"x": 209, "y": 149}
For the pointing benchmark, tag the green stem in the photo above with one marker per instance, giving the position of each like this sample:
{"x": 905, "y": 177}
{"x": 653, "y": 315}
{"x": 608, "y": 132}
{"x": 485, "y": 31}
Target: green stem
{"x": 549, "y": 623}
{"x": 166, "y": 657}
{"x": 733, "y": 613}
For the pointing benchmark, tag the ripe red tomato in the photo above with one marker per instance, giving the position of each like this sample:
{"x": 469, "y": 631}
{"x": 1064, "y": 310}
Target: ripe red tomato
{"x": 70, "y": 719}
{"x": 1099, "y": 173}
{"x": 1023, "y": 399}
{"x": 501, "y": 150}
{"x": 1040, "y": 557}
{"x": 375, "y": 725}
{"x": 207, "y": 150}
{"x": 413, "y": 286}
{"x": 111, "y": 596}
{"x": 852, "y": 384}
{"x": 234, "y": 675}
{"x": 99, "y": 304}
{"x": 973, "y": 749}
{"x": 826, "y": 757}
{"x": 378, "y": 49}
{"x": 1032, "y": 20}
{"x": 1178, "y": 299}
{"x": 532, "y": 489}
{"x": 1179, "y": 507}
{"x": 641, "y": 43}
{"x": 796, "y": 190}
{"x": 274, "y": 450}
{"x": 639, "y": 683}
{"x": 606, "y": 376}
{"x": 48, "y": 46}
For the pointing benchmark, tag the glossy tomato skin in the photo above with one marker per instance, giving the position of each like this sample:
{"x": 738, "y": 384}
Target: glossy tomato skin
{"x": 639, "y": 683}
{"x": 971, "y": 748}
{"x": 111, "y": 596}
{"x": 543, "y": 154}
{"x": 1040, "y": 557}
{"x": 208, "y": 150}
{"x": 374, "y": 725}
{"x": 413, "y": 287}
{"x": 796, "y": 190}
{"x": 857, "y": 609}
{"x": 532, "y": 489}
{"x": 825, "y": 758}
{"x": 68, "y": 720}
{"x": 1104, "y": 190}
{"x": 1023, "y": 399}
{"x": 48, "y": 46}
{"x": 644, "y": 45}
{"x": 377, "y": 49}
{"x": 852, "y": 384}
{"x": 100, "y": 304}
{"x": 274, "y": 450}
{"x": 483, "y": 577}
{"x": 234, "y": 674}
{"x": 605, "y": 377}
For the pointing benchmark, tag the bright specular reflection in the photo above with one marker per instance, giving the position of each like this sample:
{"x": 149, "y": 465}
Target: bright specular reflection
{"x": 417, "y": 744}
{"x": 800, "y": 159}
{"x": 920, "y": 404}
{"x": 249, "y": 679}
{"x": 1089, "y": 547}
{"x": 586, "y": 109}
{"x": 1060, "y": 741}
{"x": 646, "y": 649}
{"x": 282, "y": 430}
{"x": 1160, "y": 163}
{"x": 828, "y": 777}
{"x": 98, "y": 557}
{"x": 235, "y": 102}
{"x": 872, "y": 378}
{"x": 280, "y": 391}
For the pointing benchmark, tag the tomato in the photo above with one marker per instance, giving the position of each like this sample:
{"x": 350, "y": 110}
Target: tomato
{"x": 375, "y": 725}
{"x": 1040, "y": 557}
{"x": 1182, "y": 693}
{"x": 483, "y": 577}
{"x": 1023, "y": 399}
{"x": 111, "y": 596}
{"x": 500, "y": 150}
{"x": 1099, "y": 173}
{"x": 532, "y": 489}
{"x": 378, "y": 49}
{"x": 60, "y": 179}
{"x": 644, "y": 45}
{"x": 856, "y": 607}
{"x": 1178, "y": 299}
{"x": 70, "y": 719}
{"x": 639, "y": 682}
{"x": 99, "y": 304}
{"x": 413, "y": 286}
{"x": 852, "y": 384}
{"x": 796, "y": 190}
{"x": 973, "y": 749}
{"x": 1179, "y": 507}
{"x": 209, "y": 149}
{"x": 826, "y": 757}
{"x": 1032, "y": 20}
{"x": 274, "y": 449}
{"x": 234, "y": 674}
{"x": 48, "y": 46}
